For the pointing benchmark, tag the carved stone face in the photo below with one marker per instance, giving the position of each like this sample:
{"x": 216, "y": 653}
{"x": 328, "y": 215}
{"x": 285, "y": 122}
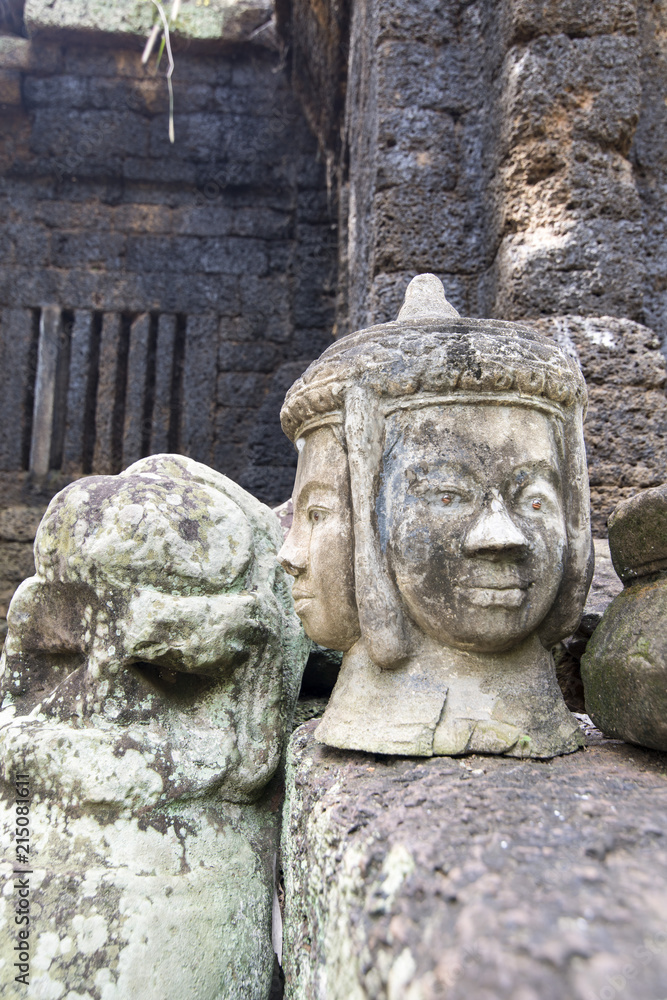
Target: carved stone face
{"x": 146, "y": 686}
{"x": 456, "y": 517}
{"x": 319, "y": 549}
{"x": 158, "y": 611}
{"x": 474, "y": 521}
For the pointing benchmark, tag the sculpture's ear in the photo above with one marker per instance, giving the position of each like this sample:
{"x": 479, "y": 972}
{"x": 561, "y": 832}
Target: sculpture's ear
{"x": 381, "y": 615}
{"x": 565, "y": 615}
{"x": 45, "y": 638}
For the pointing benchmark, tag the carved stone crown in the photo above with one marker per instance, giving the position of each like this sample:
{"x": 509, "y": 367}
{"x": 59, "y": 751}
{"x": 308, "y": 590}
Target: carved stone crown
{"x": 430, "y": 354}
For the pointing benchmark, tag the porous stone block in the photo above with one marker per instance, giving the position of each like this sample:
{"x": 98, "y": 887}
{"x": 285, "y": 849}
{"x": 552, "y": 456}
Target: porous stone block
{"x": 10, "y": 87}
{"x": 420, "y": 88}
{"x": 20, "y": 523}
{"x": 626, "y": 423}
{"x": 571, "y": 85}
{"x": 638, "y": 534}
{"x": 18, "y": 526}
{"x": 411, "y": 228}
{"x": 429, "y": 21}
{"x": 484, "y": 877}
{"x": 565, "y": 200}
{"x": 649, "y": 158}
{"x": 524, "y": 19}
{"x": 16, "y": 561}
{"x": 624, "y": 668}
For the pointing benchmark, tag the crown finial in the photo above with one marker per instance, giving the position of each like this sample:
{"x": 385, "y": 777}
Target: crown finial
{"x": 425, "y": 299}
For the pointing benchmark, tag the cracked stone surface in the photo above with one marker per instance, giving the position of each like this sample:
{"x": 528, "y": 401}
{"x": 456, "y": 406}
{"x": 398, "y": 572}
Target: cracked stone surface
{"x": 480, "y": 877}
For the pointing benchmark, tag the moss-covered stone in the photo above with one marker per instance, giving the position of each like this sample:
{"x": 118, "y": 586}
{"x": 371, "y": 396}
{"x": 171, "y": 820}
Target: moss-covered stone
{"x": 148, "y": 682}
{"x": 210, "y": 21}
{"x": 638, "y": 534}
{"x": 624, "y": 668}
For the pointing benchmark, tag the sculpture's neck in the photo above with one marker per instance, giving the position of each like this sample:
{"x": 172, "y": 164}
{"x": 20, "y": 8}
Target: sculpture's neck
{"x": 448, "y": 701}
{"x": 528, "y": 657}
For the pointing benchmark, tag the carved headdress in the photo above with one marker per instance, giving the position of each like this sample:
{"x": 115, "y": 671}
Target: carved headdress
{"x": 431, "y": 356}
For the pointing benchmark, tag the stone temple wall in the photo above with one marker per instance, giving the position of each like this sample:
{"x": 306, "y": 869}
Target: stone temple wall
{"x": 517, "y": 150}
{"x": 221, "y": 239}
{"x": 153, "y": 297}
{"x": 514, "y": 148}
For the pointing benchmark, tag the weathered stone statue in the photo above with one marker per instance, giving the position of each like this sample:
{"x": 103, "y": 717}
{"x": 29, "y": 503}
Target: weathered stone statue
{"x": 148, "y": 680}
{"x": 624, "y": 668}
{"x": 441, "y": 531}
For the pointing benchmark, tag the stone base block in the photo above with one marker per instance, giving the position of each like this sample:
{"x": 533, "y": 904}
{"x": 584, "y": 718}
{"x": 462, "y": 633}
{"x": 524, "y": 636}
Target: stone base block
{"x": 163, "y": 907}
{"x": 483, "y": 877}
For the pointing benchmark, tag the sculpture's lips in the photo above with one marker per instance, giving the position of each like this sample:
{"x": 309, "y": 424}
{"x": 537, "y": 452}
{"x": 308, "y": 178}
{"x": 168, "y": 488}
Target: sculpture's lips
{"x": 299, "y": 598}
{"x": 494, "y": 596}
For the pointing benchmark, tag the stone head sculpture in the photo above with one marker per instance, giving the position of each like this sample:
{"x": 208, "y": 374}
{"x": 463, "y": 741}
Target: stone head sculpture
{"x": 441, "y": 531}
{"x": 148, "y": 680}
{"x": 159, "y": 618}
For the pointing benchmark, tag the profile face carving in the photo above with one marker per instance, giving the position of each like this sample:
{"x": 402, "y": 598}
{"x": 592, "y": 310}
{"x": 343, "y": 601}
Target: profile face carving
{"x": 475, "y": 525}
{"x": 319, "y": 551}
{"x": 441, "y": 532}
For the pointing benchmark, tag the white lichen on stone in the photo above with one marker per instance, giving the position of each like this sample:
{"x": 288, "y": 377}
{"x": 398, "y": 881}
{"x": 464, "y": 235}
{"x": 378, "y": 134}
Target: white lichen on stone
{"x": 149, "y": 676}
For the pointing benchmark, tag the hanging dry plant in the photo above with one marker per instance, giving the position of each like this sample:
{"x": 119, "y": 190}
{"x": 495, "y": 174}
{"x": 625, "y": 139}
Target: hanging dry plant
{"x": 161, "y": 27}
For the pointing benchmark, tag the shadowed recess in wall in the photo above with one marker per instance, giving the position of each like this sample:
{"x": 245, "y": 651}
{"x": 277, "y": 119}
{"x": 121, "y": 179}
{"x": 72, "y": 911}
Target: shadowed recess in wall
{"x": 94, "y": 392}
{"x": 11, "y": 17}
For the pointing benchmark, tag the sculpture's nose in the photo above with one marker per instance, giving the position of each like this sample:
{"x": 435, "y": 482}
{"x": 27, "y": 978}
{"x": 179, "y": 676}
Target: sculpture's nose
{"x": 494, "y": 531}
{"x": 293, "y": 556}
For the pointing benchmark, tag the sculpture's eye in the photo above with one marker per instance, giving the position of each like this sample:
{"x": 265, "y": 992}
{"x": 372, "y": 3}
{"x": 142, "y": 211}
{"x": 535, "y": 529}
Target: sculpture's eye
{"x": 537, "y": 503}
{"x": 447, "y": 499}
{"x": 316, "y": 516}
